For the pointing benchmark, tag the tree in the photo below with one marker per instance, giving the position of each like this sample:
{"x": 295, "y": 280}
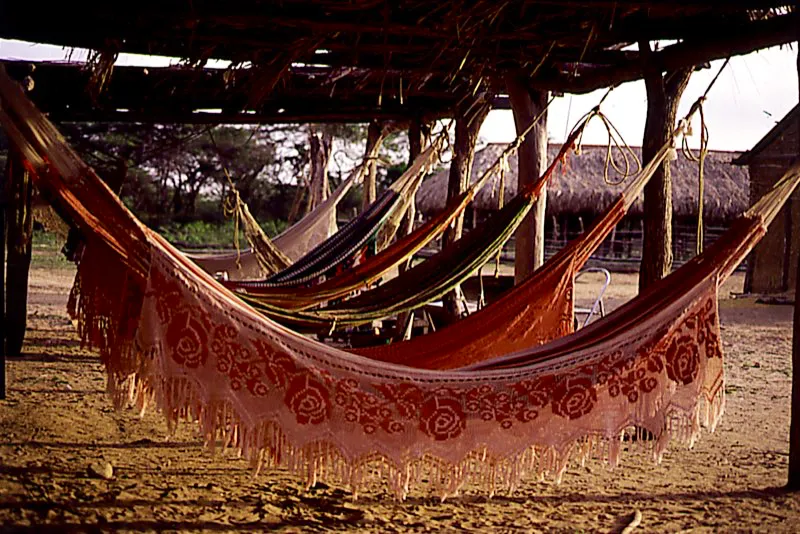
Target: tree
{"x": 170, "y": 166}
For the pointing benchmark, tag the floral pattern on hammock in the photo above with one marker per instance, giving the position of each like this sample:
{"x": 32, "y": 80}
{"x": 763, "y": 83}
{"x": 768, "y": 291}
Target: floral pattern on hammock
{"x": 664, "y": 376}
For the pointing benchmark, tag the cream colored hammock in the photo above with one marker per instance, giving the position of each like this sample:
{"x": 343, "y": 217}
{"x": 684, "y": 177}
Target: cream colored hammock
{"x": 378, "y": 224}
{"x": 290, "y": 245}
{"x": 171, "y": 336}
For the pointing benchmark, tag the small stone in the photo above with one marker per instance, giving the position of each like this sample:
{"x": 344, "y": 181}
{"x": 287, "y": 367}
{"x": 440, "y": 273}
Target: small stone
{"x": 102, "y": 470}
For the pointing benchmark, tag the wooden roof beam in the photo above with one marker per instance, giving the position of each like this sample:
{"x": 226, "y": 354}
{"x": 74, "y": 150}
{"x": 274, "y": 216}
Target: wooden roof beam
{"x": 288, "y": 116}
{"x": 727, "y": 41}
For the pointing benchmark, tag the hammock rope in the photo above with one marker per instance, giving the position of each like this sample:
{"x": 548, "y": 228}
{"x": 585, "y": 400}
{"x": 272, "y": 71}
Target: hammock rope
{"x": 700, "y": 159}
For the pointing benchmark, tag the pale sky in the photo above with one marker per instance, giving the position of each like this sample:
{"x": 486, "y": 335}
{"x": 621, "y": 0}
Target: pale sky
{"x": 752, "y": 94}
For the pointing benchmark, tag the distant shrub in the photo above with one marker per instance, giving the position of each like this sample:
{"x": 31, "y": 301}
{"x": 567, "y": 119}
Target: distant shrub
{"x": 212, "y": 234}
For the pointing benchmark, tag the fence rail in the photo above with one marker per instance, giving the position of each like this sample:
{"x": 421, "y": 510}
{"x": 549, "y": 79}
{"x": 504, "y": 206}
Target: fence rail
{"x": 621, "y": 250}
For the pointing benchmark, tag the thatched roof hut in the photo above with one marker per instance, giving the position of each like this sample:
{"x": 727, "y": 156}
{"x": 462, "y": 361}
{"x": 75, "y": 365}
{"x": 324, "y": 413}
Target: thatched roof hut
{"x": 581, "y": 188}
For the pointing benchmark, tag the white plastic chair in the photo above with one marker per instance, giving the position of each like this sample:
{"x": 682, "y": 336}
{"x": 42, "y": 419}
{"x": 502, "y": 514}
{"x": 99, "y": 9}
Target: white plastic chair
{"x": 597, "y": 307}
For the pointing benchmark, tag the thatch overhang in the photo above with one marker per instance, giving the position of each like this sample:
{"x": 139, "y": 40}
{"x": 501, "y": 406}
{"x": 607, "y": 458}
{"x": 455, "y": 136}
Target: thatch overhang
{"x": 410, "y": 48}
{"x": 580, "y": 187}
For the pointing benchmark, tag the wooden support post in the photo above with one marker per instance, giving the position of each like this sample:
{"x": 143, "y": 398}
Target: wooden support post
{"x": 469, "y": 118}
{"x": 370, "y": 179}
{"x": 417, "y": 134}
{"x": 793, "y": 482}
{"x": 663, "y": 95}
{"x": 320, "y": 157}
{"x": 4, "y": 324}
{"x": 526, "y": 105}
{"x": 19, "y": 233}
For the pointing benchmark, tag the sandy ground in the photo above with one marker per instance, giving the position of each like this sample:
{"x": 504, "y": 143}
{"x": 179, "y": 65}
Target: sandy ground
{"x": 57, "y": 421}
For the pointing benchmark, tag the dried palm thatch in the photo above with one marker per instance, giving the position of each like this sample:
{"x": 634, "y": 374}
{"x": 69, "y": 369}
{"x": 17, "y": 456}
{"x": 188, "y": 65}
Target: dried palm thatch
{"x": 581, "y": 188}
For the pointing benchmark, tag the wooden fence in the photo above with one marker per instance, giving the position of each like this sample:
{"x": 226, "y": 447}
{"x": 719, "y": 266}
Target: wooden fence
{"x": 622, "y": 249}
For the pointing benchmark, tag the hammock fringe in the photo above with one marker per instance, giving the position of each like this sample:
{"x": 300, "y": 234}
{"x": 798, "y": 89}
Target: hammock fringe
{"x": 105, "y": 316}
{"x": 266, "y": 446}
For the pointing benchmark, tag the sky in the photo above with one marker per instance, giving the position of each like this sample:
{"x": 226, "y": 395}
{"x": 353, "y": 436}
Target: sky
{"x": 752, "y": 94}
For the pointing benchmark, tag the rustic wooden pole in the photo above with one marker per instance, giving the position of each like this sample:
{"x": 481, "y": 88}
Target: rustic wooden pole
{"x": 417, "y": 136}
{"x": 370, "y": 180}
{"x": 663, "y": 95}
{"x": 469, "y": 118}
{"x": 793, "y": 482}
{"x": 4, "y": 324}
{"x": 19, "y": 233}
{"x": 319, "y": 157}
{"x": 417, "y": 133}
{"x": 529, "y": 239}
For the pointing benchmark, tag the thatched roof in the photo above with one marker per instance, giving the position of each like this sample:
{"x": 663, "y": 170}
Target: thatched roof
{"x": 580, "y": 188}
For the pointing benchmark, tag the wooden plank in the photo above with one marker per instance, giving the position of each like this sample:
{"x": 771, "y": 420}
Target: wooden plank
{"x": 3, "y": 284}
{"x": 417, "y": 133}
{"x": 370, "y": 186}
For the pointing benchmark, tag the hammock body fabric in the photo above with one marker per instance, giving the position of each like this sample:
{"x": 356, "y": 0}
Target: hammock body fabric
{"x": 358, "y": 276}
{"x": 171, "y": 336}
{"x": 539, "y": 310}
{"x": 293, "y": 243}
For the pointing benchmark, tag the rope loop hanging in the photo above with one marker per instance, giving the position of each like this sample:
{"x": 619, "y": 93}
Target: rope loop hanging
{"x": 616, "y": 143}
{"x": 700, "y": 159}
{"x": 232, "y": 202}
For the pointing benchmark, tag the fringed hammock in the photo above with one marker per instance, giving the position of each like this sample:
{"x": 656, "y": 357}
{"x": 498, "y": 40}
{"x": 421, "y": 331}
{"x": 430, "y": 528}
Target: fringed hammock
{"x": 323, "y": 255}
{"x": 171, "y": 336}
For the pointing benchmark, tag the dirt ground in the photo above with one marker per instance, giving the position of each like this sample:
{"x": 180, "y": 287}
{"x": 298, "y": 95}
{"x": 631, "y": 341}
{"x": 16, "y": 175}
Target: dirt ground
{"x": 57, "y": 422}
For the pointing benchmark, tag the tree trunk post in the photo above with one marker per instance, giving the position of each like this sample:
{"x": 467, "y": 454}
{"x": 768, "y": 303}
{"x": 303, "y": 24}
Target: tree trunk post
{"x": 3, "y": 351}
{"x": 469, "y": 119}
{"x": 529, "y": 239}
{"x": 19, "y": 220}
{"x": 793, "y": 482}
{"x": 663, "y": 95}
{"x": 370, "y": 178}
{"x": 319, "y": 157}
{"x": 417, "y": 134}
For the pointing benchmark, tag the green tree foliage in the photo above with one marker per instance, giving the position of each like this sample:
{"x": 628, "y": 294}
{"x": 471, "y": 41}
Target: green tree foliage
{"x": 176, "y": 173}
{"x": 170, "y": 167}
